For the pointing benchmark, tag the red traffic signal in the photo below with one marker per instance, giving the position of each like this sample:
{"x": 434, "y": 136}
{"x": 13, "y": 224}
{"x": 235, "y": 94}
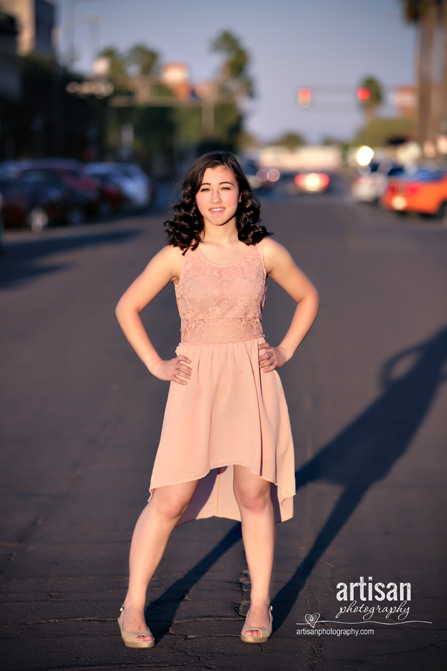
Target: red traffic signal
{"x": 304, "y": 97}
{"x": 363, "y": 95}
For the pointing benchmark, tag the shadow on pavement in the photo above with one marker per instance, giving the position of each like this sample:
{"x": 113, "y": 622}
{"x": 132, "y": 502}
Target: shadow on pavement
{"x": 359, "y": 456}
{"x": 22, "y": 260}
{"x": 365, "y": 452}
{"x": 163, "y": 609}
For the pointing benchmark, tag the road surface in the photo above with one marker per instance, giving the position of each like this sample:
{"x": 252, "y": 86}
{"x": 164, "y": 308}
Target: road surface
{"x": 81, "y": 418}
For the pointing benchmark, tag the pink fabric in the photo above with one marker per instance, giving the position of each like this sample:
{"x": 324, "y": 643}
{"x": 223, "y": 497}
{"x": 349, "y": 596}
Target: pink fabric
{"x": 229, "y": 412}
{"x": 221, "y": 302}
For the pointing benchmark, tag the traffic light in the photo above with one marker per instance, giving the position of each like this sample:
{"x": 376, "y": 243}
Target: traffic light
{"x": 304, "y": 97}
{"x": 363, "y": 95}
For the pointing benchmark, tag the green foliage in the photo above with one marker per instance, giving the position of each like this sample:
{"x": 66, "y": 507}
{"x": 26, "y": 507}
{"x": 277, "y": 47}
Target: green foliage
{"x": 233, "y": 76}
{"x": 373, "y": 86}
{"x": 117, "y": 64}
{"x": 378, "y": 132}
{"x": 290, "y": 140}
{"x": 188, "y": 125}
{"x": 183, "y": 124}
{"x": 142, "y": 61}
{"x": 246, "y": 140}
{"x": 229, "y": 120}
{"x": 138, "y": 60}
{"x": 55, "y": 122}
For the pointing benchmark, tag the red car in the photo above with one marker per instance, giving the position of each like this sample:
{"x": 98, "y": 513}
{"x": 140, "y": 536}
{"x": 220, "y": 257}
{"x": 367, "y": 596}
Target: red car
{"x": 33, "y": 206}
{"x": 424, "y": 192}
{"x": 93, "y": 196}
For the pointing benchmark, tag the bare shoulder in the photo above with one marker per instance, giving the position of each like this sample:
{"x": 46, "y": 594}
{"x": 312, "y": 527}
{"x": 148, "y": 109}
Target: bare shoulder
{"x": 275, "y": 254}
{"x": 168, "y": 260}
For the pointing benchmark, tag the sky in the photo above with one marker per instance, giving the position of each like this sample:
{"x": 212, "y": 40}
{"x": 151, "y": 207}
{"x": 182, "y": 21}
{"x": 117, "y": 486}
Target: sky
{"x": 328, "y": 46}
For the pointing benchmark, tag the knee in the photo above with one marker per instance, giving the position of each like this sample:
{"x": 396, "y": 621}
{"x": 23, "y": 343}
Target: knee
{"x": 171, "y": 507}
{"x": 254, "y": 500}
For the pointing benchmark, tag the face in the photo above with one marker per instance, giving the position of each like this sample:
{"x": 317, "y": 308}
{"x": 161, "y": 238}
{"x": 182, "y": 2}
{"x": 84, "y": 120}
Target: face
{"x": 218, "y": 196}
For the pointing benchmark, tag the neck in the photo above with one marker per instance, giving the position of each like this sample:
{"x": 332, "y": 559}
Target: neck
{"x": 226, "y": 233}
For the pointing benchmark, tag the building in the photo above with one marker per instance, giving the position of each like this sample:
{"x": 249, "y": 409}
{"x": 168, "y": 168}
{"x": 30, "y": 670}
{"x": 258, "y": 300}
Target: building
{"x": 405, "y": 100}
{"x": 175, "y": 76}
{"x": 9, "y": 72}
{"x": 35, "y": 21}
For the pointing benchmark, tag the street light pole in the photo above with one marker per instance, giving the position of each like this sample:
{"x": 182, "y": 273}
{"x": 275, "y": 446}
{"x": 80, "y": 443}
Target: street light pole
{"x": 71, "y": 26}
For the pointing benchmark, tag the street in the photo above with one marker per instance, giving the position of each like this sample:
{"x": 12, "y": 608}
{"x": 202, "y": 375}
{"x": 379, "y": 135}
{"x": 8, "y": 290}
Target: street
{"x": 81, "y": 419}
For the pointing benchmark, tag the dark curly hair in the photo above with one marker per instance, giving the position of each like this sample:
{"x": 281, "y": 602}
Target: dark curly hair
{"x": 185, "y": 228}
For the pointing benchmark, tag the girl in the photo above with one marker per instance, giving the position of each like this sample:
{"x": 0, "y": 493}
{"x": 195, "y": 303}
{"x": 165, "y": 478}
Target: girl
{"x": 226, "y": 445}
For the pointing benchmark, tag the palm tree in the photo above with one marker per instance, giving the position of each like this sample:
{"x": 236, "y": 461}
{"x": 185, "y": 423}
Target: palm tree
{"x": 233, "y": 77}
{"x": 430, "y": 19}
{"x": 375, "y": 98}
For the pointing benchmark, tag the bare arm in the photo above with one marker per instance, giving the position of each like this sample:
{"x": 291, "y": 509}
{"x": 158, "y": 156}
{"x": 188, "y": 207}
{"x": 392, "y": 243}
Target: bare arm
{"x": 281, "y": 267}
{"x": 163, "y": 267}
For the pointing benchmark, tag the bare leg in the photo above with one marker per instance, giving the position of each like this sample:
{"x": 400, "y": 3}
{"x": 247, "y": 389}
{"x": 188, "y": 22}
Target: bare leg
{"x": 149, "y": 540}
{"x": 258, "y": 534}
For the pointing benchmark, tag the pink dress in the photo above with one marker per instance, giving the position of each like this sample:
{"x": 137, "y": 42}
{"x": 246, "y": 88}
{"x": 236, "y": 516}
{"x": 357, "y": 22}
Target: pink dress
{"x": 229, "y": 412}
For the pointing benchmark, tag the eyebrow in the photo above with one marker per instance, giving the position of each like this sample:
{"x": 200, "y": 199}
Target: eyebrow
{"x": 209, "y": 183}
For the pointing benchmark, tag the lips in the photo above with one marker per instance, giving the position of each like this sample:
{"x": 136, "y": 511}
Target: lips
{"x": 217, "y": 210}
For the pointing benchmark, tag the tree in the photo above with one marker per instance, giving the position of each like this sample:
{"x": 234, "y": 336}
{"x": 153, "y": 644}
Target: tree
{"x": 373, "y": 99}
{"x": 290, "y": 140}
{"x": 379, "y": 132}
{"x": 430, "y": 19}
{"x": 233, "y": 84}
{"x": 233, "y": 75}
{"x": 117, "y": 64}
{"x": 247, "y": 140}
{"x": 142, "y": 61}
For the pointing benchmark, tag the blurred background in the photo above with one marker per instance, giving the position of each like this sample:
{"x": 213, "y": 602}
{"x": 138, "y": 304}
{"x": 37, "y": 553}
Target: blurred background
{"x": 337, "y": 110}
{"x": 131, "y": 92}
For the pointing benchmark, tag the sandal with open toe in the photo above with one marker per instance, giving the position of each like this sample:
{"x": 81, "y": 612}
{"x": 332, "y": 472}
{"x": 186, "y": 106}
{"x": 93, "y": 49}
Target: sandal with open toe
{"x": 265, "y": 631}
{"x": 131, "y": 639}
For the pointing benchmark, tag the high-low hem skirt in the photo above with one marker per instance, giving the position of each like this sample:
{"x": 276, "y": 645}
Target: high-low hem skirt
{"x": 229, "y": 413}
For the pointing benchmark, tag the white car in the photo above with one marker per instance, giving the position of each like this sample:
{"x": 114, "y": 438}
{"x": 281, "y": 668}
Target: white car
{"x": 134, "y": 183}
{"x": 371, "y": 185}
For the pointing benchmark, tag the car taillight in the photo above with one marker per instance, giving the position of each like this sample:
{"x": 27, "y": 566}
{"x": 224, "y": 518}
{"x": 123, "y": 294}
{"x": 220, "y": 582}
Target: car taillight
{"x": 312, "y": 181}
{"x": 324, "y": 179}
{"x": 403, "y": 189}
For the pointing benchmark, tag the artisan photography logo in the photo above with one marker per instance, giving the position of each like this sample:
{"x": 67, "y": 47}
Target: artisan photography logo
{"x": 360, "y": 603}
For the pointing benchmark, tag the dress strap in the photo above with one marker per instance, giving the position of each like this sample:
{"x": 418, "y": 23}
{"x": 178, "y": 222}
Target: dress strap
{"x": 261, "y": 254}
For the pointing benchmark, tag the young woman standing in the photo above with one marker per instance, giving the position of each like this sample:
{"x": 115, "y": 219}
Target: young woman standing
{"x": 226, "y": 446}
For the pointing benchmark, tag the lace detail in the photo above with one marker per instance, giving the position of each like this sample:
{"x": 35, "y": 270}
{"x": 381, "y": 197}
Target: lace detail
{"x": 221, "y": 302}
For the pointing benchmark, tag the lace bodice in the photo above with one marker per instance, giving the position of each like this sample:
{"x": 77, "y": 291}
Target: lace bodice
{"x": 221, "y": 303}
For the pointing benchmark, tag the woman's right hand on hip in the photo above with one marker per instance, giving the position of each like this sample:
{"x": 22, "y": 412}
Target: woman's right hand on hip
{"x": 174, "y": 370}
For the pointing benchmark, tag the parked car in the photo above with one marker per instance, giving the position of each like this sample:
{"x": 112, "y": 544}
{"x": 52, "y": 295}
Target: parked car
{"x": 424, "y": 192}
{"x": 136, "y": 186}
{"x": 312, "y": 182}
{"x": 1, "y": 224}
{"x": 77, "y": 202}
{"x": 112, "y": 193}
{"x": 106, "y": 197}
{"x": 370, "y": 185}
{"x": 28, "y": 204}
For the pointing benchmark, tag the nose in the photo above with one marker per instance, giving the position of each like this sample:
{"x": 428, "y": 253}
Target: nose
{"x": 215, "y": 196}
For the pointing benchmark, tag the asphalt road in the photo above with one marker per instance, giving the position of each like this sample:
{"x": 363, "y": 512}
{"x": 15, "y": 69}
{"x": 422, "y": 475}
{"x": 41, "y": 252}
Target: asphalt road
{"x": 81, "y": 418}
